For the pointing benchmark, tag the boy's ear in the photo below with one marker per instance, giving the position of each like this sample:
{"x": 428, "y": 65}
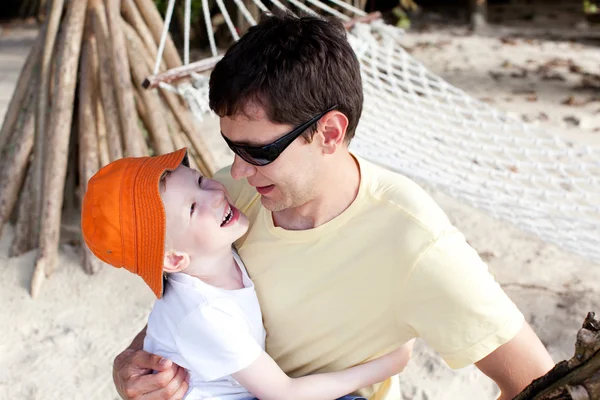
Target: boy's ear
{"x": 175, "y": 261}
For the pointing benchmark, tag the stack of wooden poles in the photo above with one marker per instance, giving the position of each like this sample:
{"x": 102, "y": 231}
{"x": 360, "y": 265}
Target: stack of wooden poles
{"x": 78, "y": 105}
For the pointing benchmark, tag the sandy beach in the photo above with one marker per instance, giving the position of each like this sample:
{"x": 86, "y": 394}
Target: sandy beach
{"x": 61, "y": 345}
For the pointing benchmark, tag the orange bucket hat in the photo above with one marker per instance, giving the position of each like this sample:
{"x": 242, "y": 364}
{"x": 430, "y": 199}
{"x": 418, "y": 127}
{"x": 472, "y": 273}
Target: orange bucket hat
{"x": 123, "y": 219}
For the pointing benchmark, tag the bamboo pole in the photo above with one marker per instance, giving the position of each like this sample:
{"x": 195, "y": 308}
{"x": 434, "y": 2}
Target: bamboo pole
{"x": 59, "y": 129}
{"x": 107, "y": 90}
{"x": 134, "y": 144}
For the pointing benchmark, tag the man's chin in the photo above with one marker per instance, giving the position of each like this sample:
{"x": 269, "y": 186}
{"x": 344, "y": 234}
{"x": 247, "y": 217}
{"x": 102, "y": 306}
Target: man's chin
{"x": 272, "y": 204}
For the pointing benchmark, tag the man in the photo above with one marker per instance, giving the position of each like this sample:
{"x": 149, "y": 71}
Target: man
{"x": 349, "y": 260}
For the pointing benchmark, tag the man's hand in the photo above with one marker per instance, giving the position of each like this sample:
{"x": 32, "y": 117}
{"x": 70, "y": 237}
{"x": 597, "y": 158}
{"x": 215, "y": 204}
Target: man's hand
{"x": 134, "y": 380}
{"x": 516, "y": 363}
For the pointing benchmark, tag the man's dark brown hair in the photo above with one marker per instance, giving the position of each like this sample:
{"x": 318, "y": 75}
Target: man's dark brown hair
{"x": 294, "y": 68}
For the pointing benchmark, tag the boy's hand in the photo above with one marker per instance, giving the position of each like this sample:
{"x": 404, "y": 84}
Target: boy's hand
{"x": 134, "y": 380}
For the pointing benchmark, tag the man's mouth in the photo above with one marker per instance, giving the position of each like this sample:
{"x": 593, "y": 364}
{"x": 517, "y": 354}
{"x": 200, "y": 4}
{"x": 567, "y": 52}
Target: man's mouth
{"x": 263, "y": 190}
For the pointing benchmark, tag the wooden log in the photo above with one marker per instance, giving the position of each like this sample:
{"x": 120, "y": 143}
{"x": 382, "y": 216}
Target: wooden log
{"x": 154, "y": 120}
{"x": 15, "y": 159}
{"x": 479, "y": 13}
{"x": 42, "y": 108}
{"x": 155, "y": 23}
{"x": 103, "y": 151}
{"x": 59, "y": 129}
{"x": 107, "y": 90}
{"x": 206, "y": 162}
{"x": 25, "y": 238}
{"x": 89, "y": 162}
{"x": 19, "y": 96}
{"x": 178, "y": 136}
{"x": 134, "y": 144}
{"x": 132, "y": 15}
{"x": 183, "y": 72}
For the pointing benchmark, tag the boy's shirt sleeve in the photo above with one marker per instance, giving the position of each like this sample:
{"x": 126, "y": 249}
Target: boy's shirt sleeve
{"x": 451, "y": 300}
{"x": 215, "y": 343}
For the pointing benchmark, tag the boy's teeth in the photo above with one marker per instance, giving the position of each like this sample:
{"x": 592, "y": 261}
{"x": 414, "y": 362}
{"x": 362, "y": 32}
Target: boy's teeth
{"x": 227, "y": 217}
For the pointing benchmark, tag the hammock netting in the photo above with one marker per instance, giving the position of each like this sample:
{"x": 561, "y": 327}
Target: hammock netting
{"x": 417, "y": 124}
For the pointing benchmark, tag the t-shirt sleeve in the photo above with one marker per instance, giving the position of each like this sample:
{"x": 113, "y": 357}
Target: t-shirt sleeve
{"x": 454, "y": 303}
{"x": 216, "y": 342}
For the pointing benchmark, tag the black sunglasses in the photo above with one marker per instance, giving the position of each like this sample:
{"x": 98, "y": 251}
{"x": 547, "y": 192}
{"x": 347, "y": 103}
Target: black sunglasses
{"x": 263, "y": 155}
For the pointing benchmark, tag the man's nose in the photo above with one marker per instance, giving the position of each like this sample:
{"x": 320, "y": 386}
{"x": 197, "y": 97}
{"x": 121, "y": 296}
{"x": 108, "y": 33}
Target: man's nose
{"x": 240, "y": 169}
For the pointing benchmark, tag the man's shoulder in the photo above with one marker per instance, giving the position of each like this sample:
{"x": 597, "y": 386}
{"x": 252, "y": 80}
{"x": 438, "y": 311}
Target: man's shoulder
{"x": 400, "y": 195}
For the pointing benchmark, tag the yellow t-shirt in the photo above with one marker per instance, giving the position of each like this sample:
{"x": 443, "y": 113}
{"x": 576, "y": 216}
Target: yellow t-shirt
{"x": 391, "y": 267}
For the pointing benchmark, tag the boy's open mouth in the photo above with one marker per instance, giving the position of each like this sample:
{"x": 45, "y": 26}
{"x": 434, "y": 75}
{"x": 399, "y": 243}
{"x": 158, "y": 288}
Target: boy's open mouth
{"x": 228, "y": 215}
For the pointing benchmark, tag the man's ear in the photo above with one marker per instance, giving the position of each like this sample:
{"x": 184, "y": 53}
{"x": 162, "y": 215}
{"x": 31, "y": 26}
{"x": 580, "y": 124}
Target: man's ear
{"x": 175, "y": 261}
{"x": 332, "y": 131}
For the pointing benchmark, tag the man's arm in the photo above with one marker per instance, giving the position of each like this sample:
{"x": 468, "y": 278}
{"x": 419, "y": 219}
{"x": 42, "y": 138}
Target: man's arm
{"x": 516, "y": 363}
{"x": 133, "y": 377}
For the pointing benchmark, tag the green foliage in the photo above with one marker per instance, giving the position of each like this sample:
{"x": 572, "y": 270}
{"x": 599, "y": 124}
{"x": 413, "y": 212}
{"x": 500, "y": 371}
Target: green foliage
{"x": 590, "y": 7}
{"x": 196, "y": 7}
{"x": 403, "y": 18}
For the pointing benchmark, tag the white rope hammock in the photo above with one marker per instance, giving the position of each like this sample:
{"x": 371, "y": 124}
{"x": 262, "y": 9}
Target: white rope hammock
{"x": 419, "y": 125}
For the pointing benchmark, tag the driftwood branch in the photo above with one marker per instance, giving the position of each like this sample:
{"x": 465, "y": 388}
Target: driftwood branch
{"x": 577, "y": 378}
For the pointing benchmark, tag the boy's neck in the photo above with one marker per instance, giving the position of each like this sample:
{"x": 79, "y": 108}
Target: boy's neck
{"x": 218, "y": 269}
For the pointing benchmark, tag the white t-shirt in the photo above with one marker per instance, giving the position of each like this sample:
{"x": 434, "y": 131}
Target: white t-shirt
{"x": 211, "y": 332}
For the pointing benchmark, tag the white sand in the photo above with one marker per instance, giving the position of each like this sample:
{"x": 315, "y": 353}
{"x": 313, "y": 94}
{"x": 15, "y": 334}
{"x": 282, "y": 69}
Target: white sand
{"x": 61, "y": 346}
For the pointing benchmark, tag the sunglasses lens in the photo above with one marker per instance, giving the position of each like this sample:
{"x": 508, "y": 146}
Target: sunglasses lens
{"x": 255, "y": 157}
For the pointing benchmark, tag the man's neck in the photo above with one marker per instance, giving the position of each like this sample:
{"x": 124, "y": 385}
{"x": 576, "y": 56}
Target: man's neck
{"x": 337, "y": 190}
{"x": 217, "y": 269}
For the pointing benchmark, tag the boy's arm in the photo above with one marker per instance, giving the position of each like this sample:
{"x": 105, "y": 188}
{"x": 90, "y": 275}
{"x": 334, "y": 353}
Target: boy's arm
{"x": 265, "y": 380}
{"x": 132, "y": 374}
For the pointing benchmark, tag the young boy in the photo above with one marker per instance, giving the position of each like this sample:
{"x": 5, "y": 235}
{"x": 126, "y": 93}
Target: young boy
{"x": 155, "y": 215}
